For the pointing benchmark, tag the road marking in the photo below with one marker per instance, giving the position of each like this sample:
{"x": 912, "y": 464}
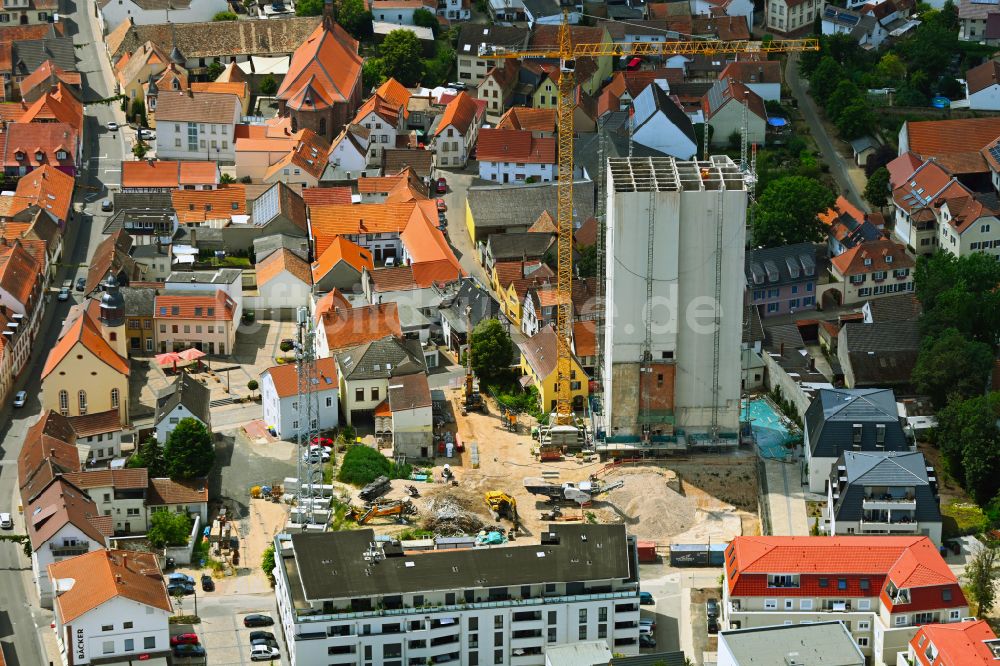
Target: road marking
{"x": 112, "y": 170}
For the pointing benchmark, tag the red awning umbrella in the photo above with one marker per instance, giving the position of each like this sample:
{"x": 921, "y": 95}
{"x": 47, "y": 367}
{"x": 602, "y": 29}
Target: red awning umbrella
{"x": 169, "y": 358}
{"x": 191, "y": 354}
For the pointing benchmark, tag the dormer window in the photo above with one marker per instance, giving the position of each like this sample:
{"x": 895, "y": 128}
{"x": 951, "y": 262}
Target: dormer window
{"x": 62, "y": 154}
{"x": 19, "y": 156}
{"x": 868, "y": 262}
{"x": 39, "y": 156}
{"x": 888, "y": 258}
{"x": 176, "y": 84}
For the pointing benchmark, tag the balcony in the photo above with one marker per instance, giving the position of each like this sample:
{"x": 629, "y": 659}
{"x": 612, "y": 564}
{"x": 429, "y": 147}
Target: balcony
{"x": 783, "y": 581}
{"x": 527, "y": 642}
{"x": 70, "y": 550}
{"x": 887, "y": 501}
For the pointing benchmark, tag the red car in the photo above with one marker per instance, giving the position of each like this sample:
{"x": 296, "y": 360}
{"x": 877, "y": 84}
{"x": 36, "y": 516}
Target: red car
{"x": 322, "y": 441}
{"x": 442, "y": 186}
{"x": 442, "y": 206}
{"x": 184, "y": 639}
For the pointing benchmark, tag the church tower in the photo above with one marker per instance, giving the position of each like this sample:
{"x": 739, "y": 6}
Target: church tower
{"x": 112, "y": 316}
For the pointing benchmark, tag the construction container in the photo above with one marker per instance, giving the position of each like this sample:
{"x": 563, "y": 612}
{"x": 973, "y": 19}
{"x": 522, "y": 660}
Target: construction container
{"x": 697, "y": 554}
{"x": 647, "y": 551}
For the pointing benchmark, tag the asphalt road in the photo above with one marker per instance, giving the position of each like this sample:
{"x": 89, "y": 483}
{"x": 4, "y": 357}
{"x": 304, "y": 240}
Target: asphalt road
{"x": 838, "y": 168}
{"x": 102, "y": 153}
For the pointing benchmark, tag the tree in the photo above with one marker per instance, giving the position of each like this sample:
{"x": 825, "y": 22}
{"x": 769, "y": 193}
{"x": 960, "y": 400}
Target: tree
{"x": 492, "y": 351}
{"x": 951, "y": 365}
{"x": 890, "y": 70}
{"x": 400, "y": 56}
{"x": 735, "y": 138}
{"x": 949, "y": 87}
{"x": 363, "y": 464}
{"x": 267, "y": 563}
{"x": 979, "y": 576}
{"x": 825, "y": 78}
{"x": 969, "y": 440}
{"x": 225, "y": 16}
{"x": 425, "y": 18}
{"x": 586, "y": 263}
{"x": 787, "y": 212}
{"x": 215, "y": 70}
{"x": 959, "y": 293}
{"x": 140, "y": 149}
{"x": 308, "y": 7}
{"x": 856, "y": 120}
{"x": 877, "y": 188}
{"x": 843, "y": 96}
{"x": 436, "y": 69}
{"x": 908, "y": 95}
{"x": 373, "y": 73}
{"x": 189, "y": 452}
{"x": 150, "y": 455}
{"x": 169, "y": 528}
{"x": 268, "y": 85}
{"x": 227, "y": 178}
{"x": 355, "y": 19}
{"x": 137, "y": 112}
{"x": 252, "y": 385}
{"x": 881, "y": 157}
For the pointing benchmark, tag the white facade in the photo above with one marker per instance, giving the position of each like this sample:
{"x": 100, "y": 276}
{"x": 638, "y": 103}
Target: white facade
{"x": 516, "y": 172}
{"x": 115, "y": 12}
{"x": 452, "y": 148}
{"x": 362, "y": 395}
{"x": 232, "y": 285}
{"x": 454, "y": 9}
{"x": 742, "y": 8}
{"x": 69, "y": 541}
{"x": 119, "y": 628}
{"x": 412, "y": 430}
{"x": 382, "y": 135}
{"x": 128, "y": 513}
{"x": 393, "y": 13}
{"x": 101, "y": 446}
{"x": 169, "y": 421}
{"x": 177, "y": 139}
{"x": 687, "y": 208}
{"x": 347, "y": 156}
{"x": 660, "y": 133}
{"x": 281, "y": 413}
{"x": 281, "y": 292}
{"x": 983, "y": 236}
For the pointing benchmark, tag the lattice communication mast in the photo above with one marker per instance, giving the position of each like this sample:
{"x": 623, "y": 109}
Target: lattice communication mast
{"x": 309, "y": 466}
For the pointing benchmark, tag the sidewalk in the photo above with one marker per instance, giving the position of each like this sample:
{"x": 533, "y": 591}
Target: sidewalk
{"x": 785, "y": 499}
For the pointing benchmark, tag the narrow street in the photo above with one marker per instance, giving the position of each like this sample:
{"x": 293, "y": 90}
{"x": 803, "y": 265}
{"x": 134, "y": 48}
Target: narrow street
{"x": 20, "y": 622}
{"x": 839, "y": 168}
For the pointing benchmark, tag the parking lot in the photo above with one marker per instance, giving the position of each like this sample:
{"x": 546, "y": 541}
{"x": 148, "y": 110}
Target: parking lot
{"x": 221, "y": 631}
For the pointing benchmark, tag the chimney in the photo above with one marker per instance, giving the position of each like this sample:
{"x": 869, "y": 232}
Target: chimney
{"x": 781, "y": 349}
{"x": 118, "y": 578}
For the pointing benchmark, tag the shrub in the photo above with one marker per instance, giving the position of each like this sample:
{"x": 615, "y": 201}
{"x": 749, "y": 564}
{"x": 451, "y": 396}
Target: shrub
{"x": 267, "y": 563}
{"x": 363, "y": 464}
{"x": 286, "y": 346}
{"x": 167, "y": 528}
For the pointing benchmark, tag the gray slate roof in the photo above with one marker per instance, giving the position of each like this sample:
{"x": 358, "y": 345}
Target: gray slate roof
{"x": 517, "y": 245}
{"x": 653, "y": 100}
{"x": 898, "y": 307}
{"x": 831, "y": 416}
{"x": 219, "y": 276}
{"x": 381, "y": 359}
{"x": 881, "y": 353}
{"x": 541, "y": 8}
{"x": 138, "y": 301}
{"x": 777, "y": 266}
{"x": 502, "y": 206}
{"x": 483, "y": 305}
{"x": 28, "y": 55}
{"x": 185, "y": 391}
{"x": 262, "y": 247}
{"x": 331, "y": 565}
{"x": 889, "y": 469}
{"x": 155, "y": 207}
{"x": 474, "y": 35}
{"x": 409, "y": 392}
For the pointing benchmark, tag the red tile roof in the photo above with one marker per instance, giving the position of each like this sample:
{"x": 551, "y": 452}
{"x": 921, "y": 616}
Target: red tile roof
{"x": 196, "y": 206}
{"x": 88, "y": 333}
{"x": 316, "y": 196}
{"x": 20, "y": 273}
{"x": 459, "y": 113}
{"x": 309, "y": 153}
{"x": 168, "y": 173}
{"x": 533, "y": 120}
{"x": 330, "y": 301}
{"x": 500, "y": 145}
{"x": 283, "y": 260}
{"x": 928, "y": 138}
{"x": 330, "y": 220}
{"x": 218, "y": 306}
{"x": 965, "y": 211}
{"x": 323, "y": 71}
{"x": 852, "y": 261}
{"x": 923, "y": 187}
{"x": 761, "y": 71}
{"x": 956, "y": 644}
{"x": 286, "y": 377}
{"x": 341, "y": 250}
{"x": 350, "y": 328}
{"x": 585, "y": 338}
{"x": 26, "y": 137}
{"x": 47, "y": 74}
{"x": 901, "y": 168}
{"x": 103, "y": 575}
{"x": 48, "y": 188}
{"x": 59, "y": 504}
{"x": 167, "y": 491}
{"x": 983, "y": 76}
{"x": 59, "y": 105}
{"x": 733, "y": 91}
{"x": 397, "y": 278}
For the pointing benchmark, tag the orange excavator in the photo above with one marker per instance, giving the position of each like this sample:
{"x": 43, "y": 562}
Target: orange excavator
{"x": 398, "y": 508}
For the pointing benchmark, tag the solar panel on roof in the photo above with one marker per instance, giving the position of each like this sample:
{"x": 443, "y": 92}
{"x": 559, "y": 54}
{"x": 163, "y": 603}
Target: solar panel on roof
{"x": 995, "y": 152}
{"x": 849, "y": 18}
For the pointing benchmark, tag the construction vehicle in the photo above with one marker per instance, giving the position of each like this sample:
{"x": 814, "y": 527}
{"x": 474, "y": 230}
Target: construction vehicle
{"x": 473, "y": 399}
{"x": 580, "y": 493}
{"x": 375, "y": 489}
{"x": 398, "y": 508}
{"x": 567, "y": 53}
{"x": 502, "y": 505}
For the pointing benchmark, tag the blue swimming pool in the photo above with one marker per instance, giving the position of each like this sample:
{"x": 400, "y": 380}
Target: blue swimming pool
{"x": 769, "y": 428}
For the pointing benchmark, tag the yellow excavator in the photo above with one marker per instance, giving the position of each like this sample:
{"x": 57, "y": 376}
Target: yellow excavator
{"x": 398, "y": 508}
{"x": 502, "y": 505}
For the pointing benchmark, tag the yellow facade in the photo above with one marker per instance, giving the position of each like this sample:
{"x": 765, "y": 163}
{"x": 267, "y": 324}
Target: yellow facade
{"x": 508, "y": 298}
{"x": 83, "y": 384}
{"x": 547, "y": 386}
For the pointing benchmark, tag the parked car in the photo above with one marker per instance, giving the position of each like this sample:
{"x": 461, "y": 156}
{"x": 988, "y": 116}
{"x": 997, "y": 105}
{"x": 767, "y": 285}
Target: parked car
{"x": 182, "y": 589}
{"x": 189, "y": 650}
{"x": 184, "y": 639}
{"x": 441, "y": 186}
{"x": 646, "y": 641}
{"x": 316, "y": 455}
{"x": 647, "y": 622}
{"x": 20, "y": 398}
{"x": 713, "y": 625}
{"x": 6, "y": 522}
{"x": 457, "y": 85}
{"x": 207, "y": 583}
{"x": 645, "y": 629}
{"x": 64, "y": 293}
{"x": 712, "y": 608}
{"x": 257, "y": 635}
{"x": 264, "y": 653}
{"x": 258, "y": 620}
{"x": 390, "y": 262}
{"x": 180, "y": 578}
{"x": 107, "y": 206}
{"x": 442, "y": 206}
{"x": 646, "y": 599}
{"x": 113, "y": 126}
{"x": 81, "y": 284}
{"x": 146, "y": 134}
{"x": 267, "y": 642}
{"x": 67, "y": 284}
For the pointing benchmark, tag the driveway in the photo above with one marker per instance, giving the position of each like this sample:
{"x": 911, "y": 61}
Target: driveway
{"x": 850, "y": 179}
{"x": 221, "y": 631}
{"x": 458, "y": 231}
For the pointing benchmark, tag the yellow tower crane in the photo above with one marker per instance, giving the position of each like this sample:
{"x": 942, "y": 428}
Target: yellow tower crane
{"x": 567, "y": 52}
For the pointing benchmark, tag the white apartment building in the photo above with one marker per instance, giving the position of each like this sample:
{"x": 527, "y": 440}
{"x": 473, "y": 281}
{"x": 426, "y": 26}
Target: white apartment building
{"x": 883, "y": 588}
{"x": 197, "y": 126}
{"x": 967, "y": 226}
{"x": 348, "y": 598}
{"x": 279, "y": 392}
{"x": 118, "y": 493}
{"x": 663, "y": 232}
{"x": 111, "y": 607}
{"x": 228, "y": 280}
